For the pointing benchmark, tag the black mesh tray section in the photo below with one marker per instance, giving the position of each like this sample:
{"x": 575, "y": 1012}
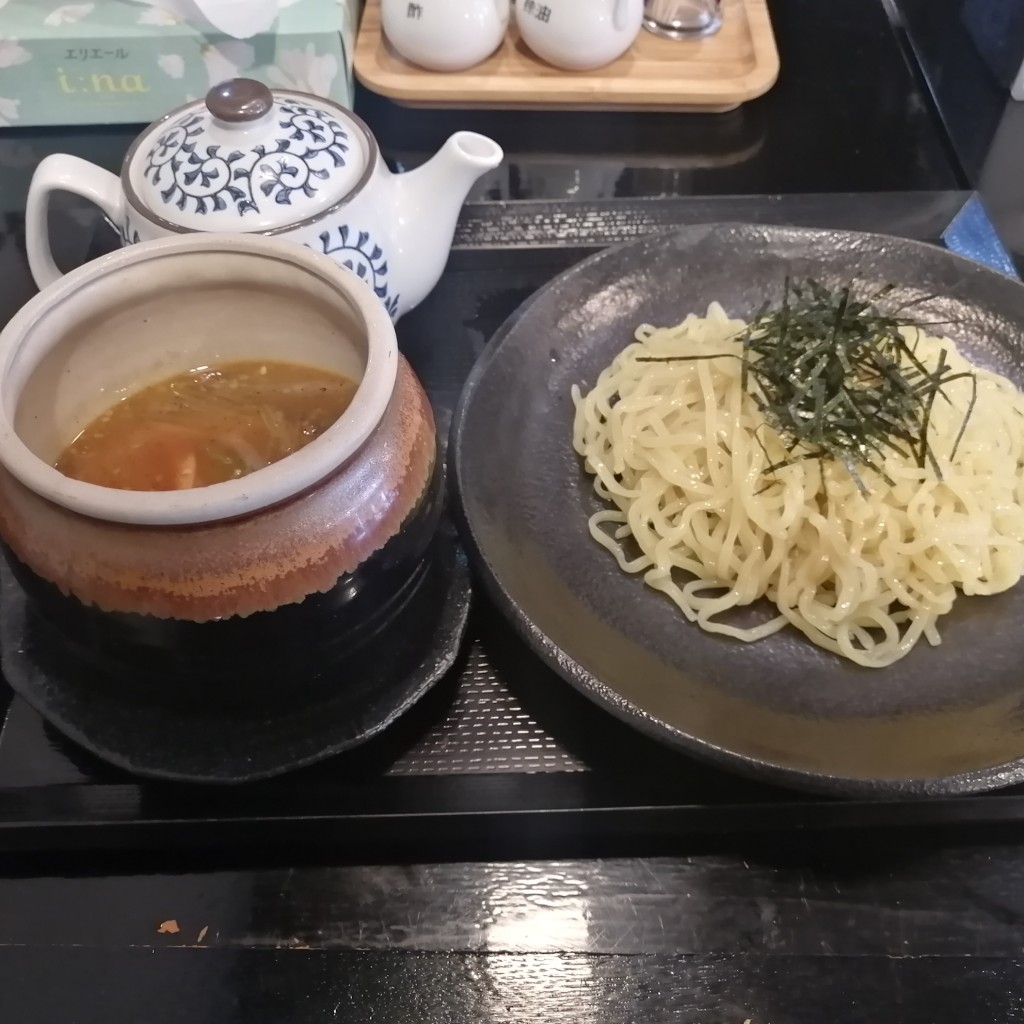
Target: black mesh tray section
{"x": 502, "y": 753}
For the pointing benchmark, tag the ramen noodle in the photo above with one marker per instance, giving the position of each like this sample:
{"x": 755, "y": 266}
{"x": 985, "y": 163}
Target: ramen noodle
{"x": 864, "y": 566}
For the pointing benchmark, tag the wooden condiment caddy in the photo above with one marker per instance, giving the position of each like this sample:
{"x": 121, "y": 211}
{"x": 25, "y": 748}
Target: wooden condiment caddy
{"x": 717, "y": 73}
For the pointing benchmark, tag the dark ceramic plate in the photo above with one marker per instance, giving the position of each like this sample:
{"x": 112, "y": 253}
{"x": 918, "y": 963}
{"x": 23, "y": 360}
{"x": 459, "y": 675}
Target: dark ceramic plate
{"x": 371, "y": 689}
{"x": 944, "y": 720}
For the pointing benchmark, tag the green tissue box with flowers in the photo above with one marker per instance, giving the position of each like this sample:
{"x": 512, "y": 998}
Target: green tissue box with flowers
{"x": 126, "y": 61}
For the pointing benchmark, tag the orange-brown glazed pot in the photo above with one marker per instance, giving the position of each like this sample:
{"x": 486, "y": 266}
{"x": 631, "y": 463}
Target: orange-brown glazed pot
{"x": 229, "y": 590}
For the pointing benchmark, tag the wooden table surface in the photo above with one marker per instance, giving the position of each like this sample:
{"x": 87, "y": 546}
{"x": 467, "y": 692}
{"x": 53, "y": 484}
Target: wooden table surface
{"x": 793, "y": 934}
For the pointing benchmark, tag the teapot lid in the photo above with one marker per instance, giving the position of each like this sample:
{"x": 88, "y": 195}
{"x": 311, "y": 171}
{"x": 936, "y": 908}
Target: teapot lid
{"x": 247, "y": 159}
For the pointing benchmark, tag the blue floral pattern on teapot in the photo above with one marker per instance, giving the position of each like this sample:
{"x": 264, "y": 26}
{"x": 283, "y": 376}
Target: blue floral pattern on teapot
{"x": 360, "y": 254}
{"x": 199, "y": 177}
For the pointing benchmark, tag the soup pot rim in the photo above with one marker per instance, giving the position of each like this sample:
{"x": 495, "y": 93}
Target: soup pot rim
{"x": 235, "y": 498}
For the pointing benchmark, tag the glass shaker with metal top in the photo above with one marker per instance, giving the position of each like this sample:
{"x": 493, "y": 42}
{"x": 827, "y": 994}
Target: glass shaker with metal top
{"x": 682, "y": 19}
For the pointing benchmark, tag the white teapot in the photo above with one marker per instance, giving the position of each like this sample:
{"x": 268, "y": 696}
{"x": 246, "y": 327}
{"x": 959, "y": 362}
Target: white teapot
{"x": 277, "y": 163}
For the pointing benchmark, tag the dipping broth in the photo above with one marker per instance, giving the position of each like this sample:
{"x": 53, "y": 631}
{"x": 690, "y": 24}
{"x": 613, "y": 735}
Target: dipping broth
{"x": 206, "y": 426}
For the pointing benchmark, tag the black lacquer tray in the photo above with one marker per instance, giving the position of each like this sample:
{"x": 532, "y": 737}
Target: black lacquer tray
{"x": 502, "y": 755}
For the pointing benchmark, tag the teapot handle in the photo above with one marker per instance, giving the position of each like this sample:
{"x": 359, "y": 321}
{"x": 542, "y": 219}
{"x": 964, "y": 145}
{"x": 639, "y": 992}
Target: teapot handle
{"x": 620, "y": 16}
{"x": 63, "y": 173}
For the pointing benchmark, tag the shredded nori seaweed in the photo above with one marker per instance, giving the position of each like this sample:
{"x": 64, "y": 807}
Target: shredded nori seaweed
{"x": 836, "y": 378}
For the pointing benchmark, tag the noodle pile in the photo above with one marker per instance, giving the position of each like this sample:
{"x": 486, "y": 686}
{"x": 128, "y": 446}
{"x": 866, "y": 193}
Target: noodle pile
{"x": 679, "y": 451}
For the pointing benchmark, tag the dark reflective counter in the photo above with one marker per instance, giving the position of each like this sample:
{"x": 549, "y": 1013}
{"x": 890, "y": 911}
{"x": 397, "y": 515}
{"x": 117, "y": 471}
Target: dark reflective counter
{"x": 848, "y": 114}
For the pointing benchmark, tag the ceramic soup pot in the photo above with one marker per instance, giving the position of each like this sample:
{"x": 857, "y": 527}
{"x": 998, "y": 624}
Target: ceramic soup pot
{"x": 445, "y": 35}
{"x": 287, "y": 164}
{"x": 217, "y": 590}
{"x": 579, "y": 34}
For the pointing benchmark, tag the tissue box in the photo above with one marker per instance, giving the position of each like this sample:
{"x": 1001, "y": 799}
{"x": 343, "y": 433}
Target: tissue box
{"x": 118, "y": 62}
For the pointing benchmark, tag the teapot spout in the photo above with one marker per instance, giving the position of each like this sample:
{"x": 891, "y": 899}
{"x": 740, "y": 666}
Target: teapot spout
{"x": 429, "y": 199}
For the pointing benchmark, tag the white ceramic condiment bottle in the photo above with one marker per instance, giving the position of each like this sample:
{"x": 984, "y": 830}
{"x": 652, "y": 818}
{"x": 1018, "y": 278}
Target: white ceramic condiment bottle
{"x": 579, "y": 34}
{"x": 445, "y": 35}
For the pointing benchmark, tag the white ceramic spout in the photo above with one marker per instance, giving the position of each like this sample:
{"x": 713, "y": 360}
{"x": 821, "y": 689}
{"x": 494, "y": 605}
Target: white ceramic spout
{"x": 426, "y": 207}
